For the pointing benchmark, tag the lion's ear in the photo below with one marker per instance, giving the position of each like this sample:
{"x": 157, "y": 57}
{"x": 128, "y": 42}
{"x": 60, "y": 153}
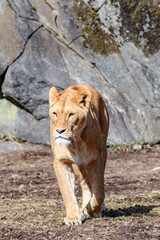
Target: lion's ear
{"x": 85, "y": 99}
{"x": 53, "y": 96}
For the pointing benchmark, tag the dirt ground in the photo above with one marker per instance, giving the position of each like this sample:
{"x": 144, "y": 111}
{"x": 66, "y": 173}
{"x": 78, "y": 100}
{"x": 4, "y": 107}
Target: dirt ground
{"x": 31, "y": 206}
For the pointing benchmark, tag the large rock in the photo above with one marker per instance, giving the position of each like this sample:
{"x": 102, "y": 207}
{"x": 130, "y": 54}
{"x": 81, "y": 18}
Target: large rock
{"x": 16, "y": 122}
{"x": 110, "y": 45}
{"x": 40, "y": 66}
{"x": 14, "y": 33}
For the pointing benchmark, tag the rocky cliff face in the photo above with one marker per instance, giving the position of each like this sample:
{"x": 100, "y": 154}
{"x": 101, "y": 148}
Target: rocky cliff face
{"x": 112, "y": 45}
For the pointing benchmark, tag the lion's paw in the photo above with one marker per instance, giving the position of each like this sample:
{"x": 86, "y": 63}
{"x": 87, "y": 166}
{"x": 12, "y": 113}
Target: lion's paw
{"x": 84, "y": 214}
{"x": 95, "y": 212}
{"x": 74, "y": 220}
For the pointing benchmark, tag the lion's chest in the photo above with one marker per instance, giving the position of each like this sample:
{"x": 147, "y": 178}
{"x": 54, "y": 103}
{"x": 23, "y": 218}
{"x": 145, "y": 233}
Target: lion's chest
{"x": 63, "y": 153}
{"x": 77, "y": 154}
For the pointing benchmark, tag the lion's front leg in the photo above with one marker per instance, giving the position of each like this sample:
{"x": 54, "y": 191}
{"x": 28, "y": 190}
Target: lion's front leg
{"x": 65, "y": 177}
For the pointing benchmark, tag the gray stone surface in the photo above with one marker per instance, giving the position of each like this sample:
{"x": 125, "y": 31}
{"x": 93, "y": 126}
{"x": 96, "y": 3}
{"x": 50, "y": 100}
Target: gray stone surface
{"x": 16, "y": 122}
{"x": 62, "y": 43}
{"x": 40, "y": 67}
{"x": 8, "y": 146}
{"x": 14, "y": 33}
{"x": 24, "y": 9}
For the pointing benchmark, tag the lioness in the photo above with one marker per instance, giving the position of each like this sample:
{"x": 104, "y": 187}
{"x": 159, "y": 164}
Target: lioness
{"x": 79, "y": 128}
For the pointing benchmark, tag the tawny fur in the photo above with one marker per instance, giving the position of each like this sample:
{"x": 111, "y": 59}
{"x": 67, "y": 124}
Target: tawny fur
{"x": 79, "y": 127}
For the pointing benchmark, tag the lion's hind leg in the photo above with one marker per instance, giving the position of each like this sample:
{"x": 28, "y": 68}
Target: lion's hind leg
{"x": 95, "y": 170}
{"x": 82, "y": 176}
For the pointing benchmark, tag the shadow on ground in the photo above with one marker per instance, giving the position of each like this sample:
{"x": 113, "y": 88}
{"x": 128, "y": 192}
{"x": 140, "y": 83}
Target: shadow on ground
{"x": 128, "y": 211}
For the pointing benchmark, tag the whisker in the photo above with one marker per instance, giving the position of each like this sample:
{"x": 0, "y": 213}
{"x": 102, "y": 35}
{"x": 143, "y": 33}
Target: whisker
{"x": 74, "y": 138}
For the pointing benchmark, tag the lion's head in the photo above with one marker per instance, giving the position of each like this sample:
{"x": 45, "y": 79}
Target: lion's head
{"x": 68, "y": 113}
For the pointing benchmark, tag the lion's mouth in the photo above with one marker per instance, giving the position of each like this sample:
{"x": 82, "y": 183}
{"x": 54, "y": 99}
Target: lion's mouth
{"x": 61, "y": 137}
{"x": 62, "y": 141}
{"x": 67, "y": 139}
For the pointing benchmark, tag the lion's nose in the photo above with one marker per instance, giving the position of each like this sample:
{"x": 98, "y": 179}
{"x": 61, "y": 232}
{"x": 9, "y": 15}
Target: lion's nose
{"x": 60, "y": 130}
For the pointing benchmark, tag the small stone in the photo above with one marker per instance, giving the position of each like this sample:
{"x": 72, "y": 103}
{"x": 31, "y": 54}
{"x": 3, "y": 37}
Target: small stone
{"x": 137, "y": 147}
{"x": 21, "y": 187}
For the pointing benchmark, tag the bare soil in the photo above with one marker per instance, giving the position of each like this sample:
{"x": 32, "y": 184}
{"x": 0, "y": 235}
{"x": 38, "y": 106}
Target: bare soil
{"x": 31, "y": 205}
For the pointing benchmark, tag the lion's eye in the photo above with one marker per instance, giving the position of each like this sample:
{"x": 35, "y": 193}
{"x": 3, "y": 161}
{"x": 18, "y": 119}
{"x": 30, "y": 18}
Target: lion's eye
{"x": 71, "y": 115}
{"x": 54, "y": 114}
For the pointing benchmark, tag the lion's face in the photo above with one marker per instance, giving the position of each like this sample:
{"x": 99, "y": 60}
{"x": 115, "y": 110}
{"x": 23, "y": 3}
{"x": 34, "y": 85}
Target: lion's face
{"x": 68, "y": 115}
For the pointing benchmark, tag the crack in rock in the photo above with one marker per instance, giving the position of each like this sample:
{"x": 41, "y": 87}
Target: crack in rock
{"x": 16, "y": 103}
{"x": 28, "y": 38}
{"x": 2, "y": 77}
{"x": 28, "y": 14}
{"x": 52, "y": 32}
{"x": 74, "y": 40}
{"x": 100, "y": 6}
{"x": 49, "y": 4}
